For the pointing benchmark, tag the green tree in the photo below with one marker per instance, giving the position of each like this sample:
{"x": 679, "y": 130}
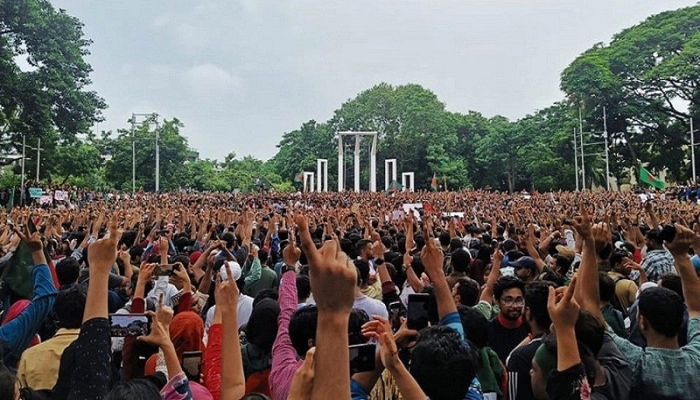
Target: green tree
{"x": 49, "y": 101}
{"x": 641, "y": 78}
{"x": 173, "y": 154}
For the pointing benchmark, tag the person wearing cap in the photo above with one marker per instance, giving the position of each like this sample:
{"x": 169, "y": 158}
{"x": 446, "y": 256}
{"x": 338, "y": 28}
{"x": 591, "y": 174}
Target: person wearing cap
{"x": 525, "y": 268}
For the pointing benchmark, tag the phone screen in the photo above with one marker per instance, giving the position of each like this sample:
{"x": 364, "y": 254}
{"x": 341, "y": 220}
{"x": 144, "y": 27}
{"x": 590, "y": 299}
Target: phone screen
{"x": 422, "y": 309}
{"x": 125, "y": 325}
{"x": 362, "y": 358}
{"x": 192, "y": 365}
{"x": 164, "y": 270}
{"x": 395, "y": 311}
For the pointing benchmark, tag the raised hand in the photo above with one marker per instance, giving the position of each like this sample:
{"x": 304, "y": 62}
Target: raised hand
{"x": 291, "y": 253}
{"x": 432, "y": 259}
{"x": 582, "y": 223}
{"x": 333, "y": 275}
{"x": 564, "y": 312}
{"x": 103, "y": 253}
{"x": 226, "y": 294}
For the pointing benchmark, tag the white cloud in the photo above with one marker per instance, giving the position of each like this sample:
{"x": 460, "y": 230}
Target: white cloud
{"x": 209, "y": 79}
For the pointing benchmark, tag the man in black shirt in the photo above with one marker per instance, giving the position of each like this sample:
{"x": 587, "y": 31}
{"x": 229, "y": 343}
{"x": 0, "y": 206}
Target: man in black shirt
{"x": 507, "y": 329}
{"x": 520, "y": 360}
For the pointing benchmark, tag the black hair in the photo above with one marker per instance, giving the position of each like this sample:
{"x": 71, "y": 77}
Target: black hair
{"x": 263, "y": 256}
{"x": 362, "y": 244}
{"x": 536, "y": 295}
{"x": 460, "y": 260}
{"x": 606, "y": 286}
{"x": 507, "y": 282}
{"x": 551, "y": 276}
{"x": 663, "y": 309}
{"x": 616, "y": 257}
{"x": 70, "y": 305}
{"x": 468, "y": 291}
{"x": 67, "y": 271}
{"x": 303, "y": 287}
{"x": 8, "y": 380}
{"x": 182, "y": 259}
{"x": 475, "y": 325}
{"x": 136, "y": 251}
{"x": 564, "y": 263}
{"x": 135, "y": 389}
{"x": 270, "y": 293}
{"x": 302, "y": 328}
{"x": 672, "y": 281}
{"x": 442, "y": 364}
{"x": 388, "y": 242}
{"x": 455, "y": 243}
{"x": 128, "y": 238}
{"x": 444, "y": 238}
{"x": 362, "y": 271}
{"x": 229, "y": 238}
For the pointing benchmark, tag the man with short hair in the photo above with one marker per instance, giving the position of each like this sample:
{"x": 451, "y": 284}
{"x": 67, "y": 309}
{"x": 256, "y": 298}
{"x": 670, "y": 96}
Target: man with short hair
{"x": 657, "y": 260}
{"x": 465, "y": 292}
{"x": 520, "y": 360}
{"x": 664, "y": 370}
{"x": 369, "y": 305}
{"x": 625, "y": 288}
{"x": 507, "y": 329}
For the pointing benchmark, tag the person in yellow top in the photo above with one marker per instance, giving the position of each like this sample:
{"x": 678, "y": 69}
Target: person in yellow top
{"x": 625, "y": 288}
{"x": 38, "y": 366}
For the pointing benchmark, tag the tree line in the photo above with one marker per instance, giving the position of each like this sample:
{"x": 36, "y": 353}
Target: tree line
{"x": 646, "y": 78}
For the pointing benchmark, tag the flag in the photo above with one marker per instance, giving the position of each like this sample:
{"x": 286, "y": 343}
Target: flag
{"x": 17, "y": 279}
{"x": 434, "y": 183}
{"x": 394, "y": 187}
{"x": 299, "y": 177}
{"x": 646, "y": 177}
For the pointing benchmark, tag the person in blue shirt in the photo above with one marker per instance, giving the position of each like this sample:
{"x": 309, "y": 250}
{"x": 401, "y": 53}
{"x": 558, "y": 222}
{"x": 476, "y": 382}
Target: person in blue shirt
{"x": 16, "y": 334}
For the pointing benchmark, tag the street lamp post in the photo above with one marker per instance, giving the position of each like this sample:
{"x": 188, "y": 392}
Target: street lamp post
{"x": 24, "y": 149}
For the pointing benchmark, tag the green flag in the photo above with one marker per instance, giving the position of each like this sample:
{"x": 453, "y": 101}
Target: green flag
{"x": 646, "y": 177}
{"x": 393, "y": 188}
{"x": 17, "y": 273}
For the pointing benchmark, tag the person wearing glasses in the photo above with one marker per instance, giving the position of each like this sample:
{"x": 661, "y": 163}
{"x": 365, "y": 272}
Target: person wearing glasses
{"x": 507, "y": 329}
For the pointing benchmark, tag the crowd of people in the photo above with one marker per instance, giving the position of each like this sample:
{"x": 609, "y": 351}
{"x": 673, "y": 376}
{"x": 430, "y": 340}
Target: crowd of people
{"x": 558, "y": 295}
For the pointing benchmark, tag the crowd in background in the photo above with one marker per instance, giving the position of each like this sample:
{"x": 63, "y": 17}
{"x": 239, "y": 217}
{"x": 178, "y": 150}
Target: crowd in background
{"x": 556, "y": 295}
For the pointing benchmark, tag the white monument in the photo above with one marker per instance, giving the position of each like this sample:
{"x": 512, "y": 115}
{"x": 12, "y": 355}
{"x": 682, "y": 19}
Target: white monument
{"x": 405, "y": 176}
{"x": 321, "y": 175}
{"x": 390, "y": 163}
{"x": 372, "y": 160}
{"x": 308, "y": 181}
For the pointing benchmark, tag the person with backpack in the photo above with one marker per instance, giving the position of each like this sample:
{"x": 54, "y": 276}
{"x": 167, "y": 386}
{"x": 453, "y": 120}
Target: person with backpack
{"x": 625, "y": 288}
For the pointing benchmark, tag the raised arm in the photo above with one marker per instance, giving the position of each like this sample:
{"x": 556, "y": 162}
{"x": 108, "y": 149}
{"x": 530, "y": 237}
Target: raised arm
{"x": 333, "y": 277}
{"x": 684, "y": 239}
{"x": 587, "y": 292}
{"x": 432, "y": 260}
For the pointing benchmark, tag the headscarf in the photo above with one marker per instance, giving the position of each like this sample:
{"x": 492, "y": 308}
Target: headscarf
{"x": 186, "y": 332}
{"x": 262, "y": 325}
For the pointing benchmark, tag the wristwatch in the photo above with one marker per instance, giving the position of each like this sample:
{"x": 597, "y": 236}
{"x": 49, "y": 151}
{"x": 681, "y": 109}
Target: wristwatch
{"x": 287, "y": 268}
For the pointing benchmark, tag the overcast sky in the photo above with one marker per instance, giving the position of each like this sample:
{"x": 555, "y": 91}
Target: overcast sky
{"x": 240, "y": 73}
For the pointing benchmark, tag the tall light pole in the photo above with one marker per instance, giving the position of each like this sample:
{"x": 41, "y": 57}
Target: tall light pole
{"x": 692, "y": 148}
{"x": 583, "y": 166}
{"x": 576, "y": 159}
{"x": 38, "y": 158}
{"x": 24, "y": 154}
{"x": 155, "y": 117}
{"x": 133, "y": 154}
{"x": 607, "y": 157}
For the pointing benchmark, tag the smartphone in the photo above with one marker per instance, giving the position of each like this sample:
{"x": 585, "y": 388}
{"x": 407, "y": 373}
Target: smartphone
{"x": 192, "y": 365}
{"x": 362, "y": 357}
{"x": 126, "y": 325}
{"x": 164, "y": 270}
{"x": 422, "y": 310}
{"x": 396, "y": 310}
